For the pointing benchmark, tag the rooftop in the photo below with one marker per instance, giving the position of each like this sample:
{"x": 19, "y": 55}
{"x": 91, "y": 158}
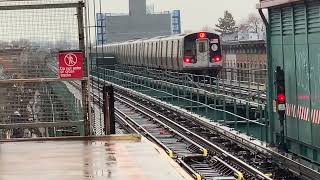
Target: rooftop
{"x": 271, "y": 3}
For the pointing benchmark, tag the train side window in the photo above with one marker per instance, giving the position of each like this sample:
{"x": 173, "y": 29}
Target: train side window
{"x": 149, "y": 52}
{"x": 166, "y": 54}
{"x": 174, "y": 49}
{"x": 178, "y": 52}
{"x": 141, "y": 53}
{"x": 160, "y": 53}
{"x": 121, "y": 48}
{"x": 129, "y": 53}
{"x": 125, "y": 52}
{"x": 152, "y": 54}
{"x": 145, "y": 56}
{"x": 136, "y": 50}
{"x": 172, "y": 53}
{"x": 156, "y": 55}
{"x": 133, "y": 53}
{"x": 145, "y": 53}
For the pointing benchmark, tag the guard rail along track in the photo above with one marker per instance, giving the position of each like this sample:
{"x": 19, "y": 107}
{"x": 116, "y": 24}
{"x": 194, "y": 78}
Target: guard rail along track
{"x": 229, "y": 87}
{"x": 256, "y": 161}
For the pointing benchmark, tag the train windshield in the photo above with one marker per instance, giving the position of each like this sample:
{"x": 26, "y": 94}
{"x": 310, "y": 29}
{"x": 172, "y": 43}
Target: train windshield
{"x": 190, "y": 48}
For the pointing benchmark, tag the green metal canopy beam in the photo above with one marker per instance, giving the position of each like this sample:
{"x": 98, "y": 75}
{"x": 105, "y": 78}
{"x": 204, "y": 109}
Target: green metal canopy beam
{"x": 270, "y": 3}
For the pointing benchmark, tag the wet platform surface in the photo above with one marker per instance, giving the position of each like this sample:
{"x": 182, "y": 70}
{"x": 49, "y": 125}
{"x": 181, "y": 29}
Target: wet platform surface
{"x": 86, "y": 160}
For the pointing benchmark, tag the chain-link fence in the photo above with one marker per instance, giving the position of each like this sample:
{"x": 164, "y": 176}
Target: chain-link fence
{"x": 33, "y": 100}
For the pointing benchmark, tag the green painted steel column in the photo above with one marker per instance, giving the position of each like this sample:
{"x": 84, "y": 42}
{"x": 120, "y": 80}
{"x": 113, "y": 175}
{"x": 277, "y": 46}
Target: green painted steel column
{"x": 270, "y": 83}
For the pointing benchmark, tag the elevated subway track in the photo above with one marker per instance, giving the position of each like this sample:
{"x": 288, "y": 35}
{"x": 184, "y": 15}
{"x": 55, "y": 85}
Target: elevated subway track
{"x": 229, "y": 110}
{"x": 225, "y": 139}
{"x": 210, "y": 167}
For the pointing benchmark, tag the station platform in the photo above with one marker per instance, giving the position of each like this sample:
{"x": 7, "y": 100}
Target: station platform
{"x": 119, "y": 157}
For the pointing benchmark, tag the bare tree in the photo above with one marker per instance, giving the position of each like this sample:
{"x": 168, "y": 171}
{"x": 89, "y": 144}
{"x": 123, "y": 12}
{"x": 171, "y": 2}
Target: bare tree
{"x": 255, "y": 23}
{"x": 243, "y": 25}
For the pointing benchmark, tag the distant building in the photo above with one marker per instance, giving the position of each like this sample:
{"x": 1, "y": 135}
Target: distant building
{"x": 176, "y": 22}
{"x": 245, "y": 57}
{"x": 137, "y": 24}
{"x": 251, "y": 36}
{"x": 243, "y": 36}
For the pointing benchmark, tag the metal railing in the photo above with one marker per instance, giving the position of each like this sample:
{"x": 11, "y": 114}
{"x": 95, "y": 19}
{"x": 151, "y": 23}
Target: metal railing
{"x": 244, "y": 89}
{"x": 34, "y": 101}
{"x": 243, "y": 115}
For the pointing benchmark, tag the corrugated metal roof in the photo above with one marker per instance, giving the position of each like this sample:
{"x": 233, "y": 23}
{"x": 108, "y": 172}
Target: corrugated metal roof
{"x": 271, "y": 3}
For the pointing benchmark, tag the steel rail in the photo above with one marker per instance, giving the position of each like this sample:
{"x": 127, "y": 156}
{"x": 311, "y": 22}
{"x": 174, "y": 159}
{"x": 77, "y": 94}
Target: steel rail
{"x": 170, "y": 152}
{"x": 245, "y": 166}
{"x": 133, "y": 105}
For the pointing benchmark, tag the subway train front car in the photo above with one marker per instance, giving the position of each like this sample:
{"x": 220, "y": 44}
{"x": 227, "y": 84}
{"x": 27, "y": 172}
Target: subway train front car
{"x": 202, "y": 53}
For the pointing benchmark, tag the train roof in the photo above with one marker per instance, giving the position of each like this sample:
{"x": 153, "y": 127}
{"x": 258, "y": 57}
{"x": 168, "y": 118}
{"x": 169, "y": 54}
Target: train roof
{"x": 157, "y": 38}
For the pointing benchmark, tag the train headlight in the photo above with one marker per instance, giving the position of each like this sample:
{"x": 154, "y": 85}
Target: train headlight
{"x": 214, "y": 47}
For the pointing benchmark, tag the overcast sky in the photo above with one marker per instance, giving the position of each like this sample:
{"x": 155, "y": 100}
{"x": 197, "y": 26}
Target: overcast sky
{"x": 195, "y": 13}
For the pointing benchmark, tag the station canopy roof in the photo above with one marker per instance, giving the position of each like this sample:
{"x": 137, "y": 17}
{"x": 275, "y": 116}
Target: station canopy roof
{"x": 271, "y": 3}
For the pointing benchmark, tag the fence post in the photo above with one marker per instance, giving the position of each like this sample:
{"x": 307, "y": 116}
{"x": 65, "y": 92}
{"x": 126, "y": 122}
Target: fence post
{"x": 108, "y": 110}
{"x": 85, "y": 84}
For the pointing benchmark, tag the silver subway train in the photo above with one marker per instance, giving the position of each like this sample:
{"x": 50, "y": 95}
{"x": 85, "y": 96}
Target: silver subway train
{"x": 198, "y": 53}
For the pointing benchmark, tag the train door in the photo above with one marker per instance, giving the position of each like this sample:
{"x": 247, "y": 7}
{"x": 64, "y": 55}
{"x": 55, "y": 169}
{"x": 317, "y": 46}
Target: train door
{"x": 202, "y": 52}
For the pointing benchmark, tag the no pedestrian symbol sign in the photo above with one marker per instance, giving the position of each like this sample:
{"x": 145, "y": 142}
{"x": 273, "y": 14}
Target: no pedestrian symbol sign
{"x": 70, "y": 64}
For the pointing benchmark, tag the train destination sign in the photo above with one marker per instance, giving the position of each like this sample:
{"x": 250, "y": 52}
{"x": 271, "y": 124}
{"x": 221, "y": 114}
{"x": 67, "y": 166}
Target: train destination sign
{"x": 70, "y": 64}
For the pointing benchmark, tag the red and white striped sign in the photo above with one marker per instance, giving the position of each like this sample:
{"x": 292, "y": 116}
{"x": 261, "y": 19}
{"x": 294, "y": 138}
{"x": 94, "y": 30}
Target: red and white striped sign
{"x": 303, "y": 113}
{"x": 315, "y": 116}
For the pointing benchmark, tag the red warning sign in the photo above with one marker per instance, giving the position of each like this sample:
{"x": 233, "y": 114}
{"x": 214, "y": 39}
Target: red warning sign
{"x": 70, "y": 64}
